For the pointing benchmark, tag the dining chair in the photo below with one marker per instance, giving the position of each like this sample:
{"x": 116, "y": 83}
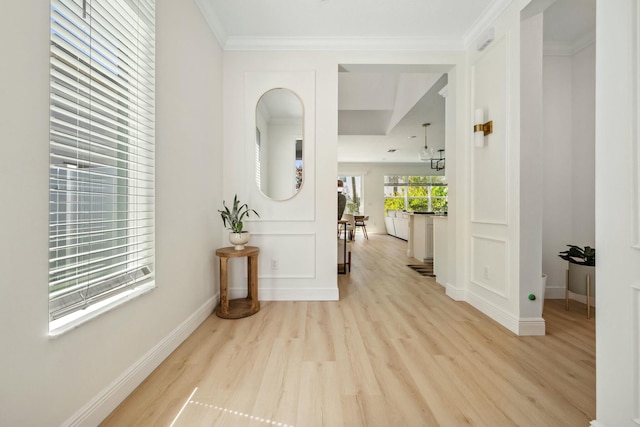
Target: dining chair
{"x": 359, "y": 221}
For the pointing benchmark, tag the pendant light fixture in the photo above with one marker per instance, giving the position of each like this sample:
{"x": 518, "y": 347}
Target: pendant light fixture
{"x": 426, "y": 153}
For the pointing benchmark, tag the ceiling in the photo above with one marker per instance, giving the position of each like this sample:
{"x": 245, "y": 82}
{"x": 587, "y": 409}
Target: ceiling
{"x": 373, "y": 122}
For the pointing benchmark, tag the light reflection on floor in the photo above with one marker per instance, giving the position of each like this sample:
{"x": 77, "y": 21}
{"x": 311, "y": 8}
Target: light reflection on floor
{"x": 184, "y": 413}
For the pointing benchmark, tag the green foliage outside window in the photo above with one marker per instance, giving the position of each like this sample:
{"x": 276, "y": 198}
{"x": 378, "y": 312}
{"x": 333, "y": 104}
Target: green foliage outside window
{"x": 395, "y": 204}
{"x": 419, "y": 191}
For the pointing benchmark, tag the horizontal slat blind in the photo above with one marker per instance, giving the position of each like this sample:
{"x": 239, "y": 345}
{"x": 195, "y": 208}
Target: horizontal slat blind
{"x": 102, "y": 131}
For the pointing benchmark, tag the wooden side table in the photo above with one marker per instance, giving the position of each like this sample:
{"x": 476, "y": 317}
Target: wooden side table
{"x": 241, "y": 307}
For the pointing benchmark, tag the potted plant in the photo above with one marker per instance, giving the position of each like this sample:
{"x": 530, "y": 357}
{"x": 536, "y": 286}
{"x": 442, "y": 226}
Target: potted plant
{"x": 580, "y": 256}
{"x": 581, "y": 277}
{"x": 232, "y": 220}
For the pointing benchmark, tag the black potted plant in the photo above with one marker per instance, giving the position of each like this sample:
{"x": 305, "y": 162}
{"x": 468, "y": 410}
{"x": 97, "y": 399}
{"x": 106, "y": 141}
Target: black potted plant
{"x": 232, "y": 220}
{"x": 578, "y": 255}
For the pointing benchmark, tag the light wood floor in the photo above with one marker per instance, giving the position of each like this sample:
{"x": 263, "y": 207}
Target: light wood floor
{"x": 394, "y": 351}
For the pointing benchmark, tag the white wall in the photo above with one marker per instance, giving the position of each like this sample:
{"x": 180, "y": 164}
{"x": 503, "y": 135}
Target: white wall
{"x": 557, "y": 212}
{"x": 298, "y": 233}
{"x": 493, "y": 281}
{"x": 569, "y": 160}
{"x": 531, "y": 178}
{"x": 79, "y": 377}
{"x": 617, "y": 214}
{"x": 583, "y": 76}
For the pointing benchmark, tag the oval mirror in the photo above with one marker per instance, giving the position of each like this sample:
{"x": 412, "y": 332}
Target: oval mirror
{"x": 279, "y": 144}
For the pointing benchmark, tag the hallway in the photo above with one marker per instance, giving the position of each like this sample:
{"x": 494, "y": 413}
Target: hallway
{"x": 394, "y": 351}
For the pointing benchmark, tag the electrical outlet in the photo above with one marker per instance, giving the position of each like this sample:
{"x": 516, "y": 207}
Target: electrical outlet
{"x": 274, "y": 264}
{"x": 486, "y": 272}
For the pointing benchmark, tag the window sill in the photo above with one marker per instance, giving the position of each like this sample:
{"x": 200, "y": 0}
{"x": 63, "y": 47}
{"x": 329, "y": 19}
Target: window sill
{"x": 71, "y": 321}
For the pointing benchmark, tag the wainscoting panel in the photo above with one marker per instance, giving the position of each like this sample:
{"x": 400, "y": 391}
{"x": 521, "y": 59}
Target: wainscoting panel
{"x": 489, "y": 267}
{"x": 490, "y": 91}
{"x": 280, "y": 255}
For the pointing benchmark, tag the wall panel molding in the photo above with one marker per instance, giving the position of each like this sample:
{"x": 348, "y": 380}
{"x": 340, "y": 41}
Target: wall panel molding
{"x": 490, "y": 90}
{"x": 302, "y": 206}
{"x": 284, "y": 249}
{"x": 489, "y": 264}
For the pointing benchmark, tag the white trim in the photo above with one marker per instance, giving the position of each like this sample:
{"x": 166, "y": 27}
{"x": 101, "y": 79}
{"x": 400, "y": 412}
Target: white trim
{"x": 495, "y": 313}
{"x": 505, "y": 293}
{"x": 411, "y": 44}
{"x": 456, "y": 294}
{"x": 101, "y": 405}
{"x": 72, "y": 320}
{"x": 484, "y": 21}
{"x": 534, "y": 326}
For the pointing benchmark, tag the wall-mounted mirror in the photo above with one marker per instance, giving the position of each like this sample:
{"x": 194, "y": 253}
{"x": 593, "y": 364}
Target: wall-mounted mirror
{"x": 279, "y": 144}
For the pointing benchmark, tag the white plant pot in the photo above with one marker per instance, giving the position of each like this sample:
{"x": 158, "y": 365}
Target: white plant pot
{"x": 238, "y": 240}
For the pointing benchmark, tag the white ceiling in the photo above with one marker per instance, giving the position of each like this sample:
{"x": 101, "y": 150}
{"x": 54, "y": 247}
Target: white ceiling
{"x": 372, "y": 122}
{"x": 329, "y": 22}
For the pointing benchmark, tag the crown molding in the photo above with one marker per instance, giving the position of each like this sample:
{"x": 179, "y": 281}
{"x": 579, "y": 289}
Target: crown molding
{"x": 214, "y": 22}
{"x": 484, "y": 21}
{"x": 552, "y": 48}
{"x": 230, "y": 43}
{"x": 342, "y": 44}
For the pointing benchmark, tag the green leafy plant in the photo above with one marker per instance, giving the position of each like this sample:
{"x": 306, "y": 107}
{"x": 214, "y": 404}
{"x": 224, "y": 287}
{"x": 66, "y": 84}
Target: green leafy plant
{"x": 578, "y": 255}
{"x": 232, "y": 218}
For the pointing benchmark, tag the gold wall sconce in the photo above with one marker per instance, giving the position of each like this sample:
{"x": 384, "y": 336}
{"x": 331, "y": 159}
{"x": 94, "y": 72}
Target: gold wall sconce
{"x": 480, "y": 130}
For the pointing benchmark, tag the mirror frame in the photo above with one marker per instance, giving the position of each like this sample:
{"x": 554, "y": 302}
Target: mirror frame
{"x": 302, "y": 137}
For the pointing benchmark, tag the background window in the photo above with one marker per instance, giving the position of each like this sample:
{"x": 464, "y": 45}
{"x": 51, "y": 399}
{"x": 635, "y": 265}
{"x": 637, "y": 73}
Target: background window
{"x": 415, "y": 193}
{"x": 353, "y": 190}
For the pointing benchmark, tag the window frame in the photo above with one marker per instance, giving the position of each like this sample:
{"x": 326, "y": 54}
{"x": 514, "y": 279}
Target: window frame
{"x": 359, "y": 202}
{"x": 102, "y": 144}
{"x": 404, "y": 182}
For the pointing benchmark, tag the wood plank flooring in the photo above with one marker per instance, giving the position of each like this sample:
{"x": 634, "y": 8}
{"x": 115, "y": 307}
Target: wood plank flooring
{"x": 394, "y": 351}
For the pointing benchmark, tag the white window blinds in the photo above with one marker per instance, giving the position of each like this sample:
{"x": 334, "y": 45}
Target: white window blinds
{"x": 101, "y": 185}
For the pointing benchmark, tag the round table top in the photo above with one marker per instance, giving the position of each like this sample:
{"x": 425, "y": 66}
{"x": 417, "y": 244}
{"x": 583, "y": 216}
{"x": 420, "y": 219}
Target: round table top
{"x": 232, "y": 252}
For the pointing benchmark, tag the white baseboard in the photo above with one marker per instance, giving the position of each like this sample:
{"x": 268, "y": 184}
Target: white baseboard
{"x": 101, "y": 405}
{"x": 502, "y": 317}
{"x": 519, "y": 326}
{"x": 456, "y": 294}
{"x": 534, "y": 326}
